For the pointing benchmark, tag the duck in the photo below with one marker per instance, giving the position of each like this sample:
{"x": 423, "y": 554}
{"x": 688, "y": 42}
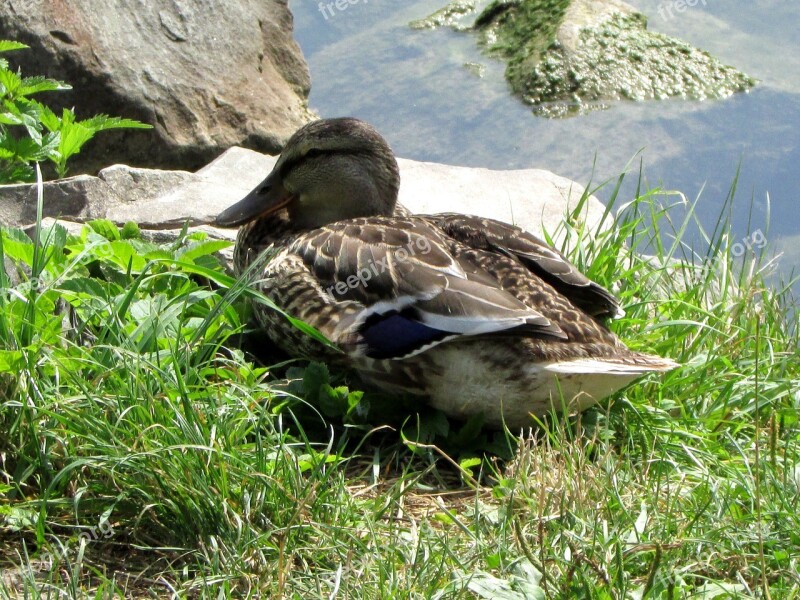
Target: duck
{"x": 473, "y": 316}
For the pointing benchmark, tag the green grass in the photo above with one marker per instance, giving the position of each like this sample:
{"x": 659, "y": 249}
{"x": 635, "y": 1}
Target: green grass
{"x": 142, "y": 454}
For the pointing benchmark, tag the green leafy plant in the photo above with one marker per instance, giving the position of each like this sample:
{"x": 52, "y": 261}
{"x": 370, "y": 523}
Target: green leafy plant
{"x": 126, "y": 406}
{"x": 30, "y": 132}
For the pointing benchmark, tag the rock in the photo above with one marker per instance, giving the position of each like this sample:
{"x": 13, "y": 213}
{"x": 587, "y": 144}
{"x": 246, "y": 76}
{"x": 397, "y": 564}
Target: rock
{"x": 199, "y": 199}
{"x": 162, "y": 202}
{"x": 71, "y": 227}
{"x": 569, "y": 57}
{"x": 82, "y": 197}
{"x": 207, "y": 75}
{"x": 531, "y": 198}
{"x": 450, "y": 16}
{"x": 133, "y": 184}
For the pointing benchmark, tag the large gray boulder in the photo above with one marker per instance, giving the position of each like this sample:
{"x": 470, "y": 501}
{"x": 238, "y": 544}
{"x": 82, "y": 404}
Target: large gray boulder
{"x": 207, "y": 75}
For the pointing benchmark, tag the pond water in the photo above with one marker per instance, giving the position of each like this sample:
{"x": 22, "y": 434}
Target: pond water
{"x": 415, "y": 88}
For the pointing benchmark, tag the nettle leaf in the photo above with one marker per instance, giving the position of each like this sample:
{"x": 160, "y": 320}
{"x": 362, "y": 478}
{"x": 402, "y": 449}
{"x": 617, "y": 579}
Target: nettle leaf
{"x": 7, "y": 146}
{"x": 157, "y": 311}
{"x": 67, "y": 117}
{"x": 16, "y": 172}
{"x": 197, "y": 250}
{"x": 23, "y": 112}
{"x": 49, "y": 144}
{"x": 9, "y": 45}
{"x": 208, "y": 262}
{"x": 19, "y": 518}
{"x": 157, "y": 254}
{"x": 10, "y": 114}
{"x": 104, "y": 122}
{"x": 48, "y": 118}
{"x": 44, "y": 320}
{"x": 36, "y": 84}
{"x": 435, "y": 424}
{"x": 332, "y": 401}
{"x": 159, "y": 321}
{"x": 124, "y": 255}
{"x": 314, "y": 377}
{"x": 17, "y": 245}
{"x": 105, "y": 228}
{"x": 11, "y": 361}
{"x": 73, "y": 137}
{"x": 16, "y": 234}
{"x": 87, "y": 288}
{"x": 54, "y": 237}
{"x": 130, "y": 231}
{"x": 10, "y": 82}
{"x": 26, "y": 150}
{"x": 148, "y": 249}
{"x": 354, "y": 402}
{"x": 468, "y": 464}
{"x": 470, "y": 433}
{"x": 339, "y": 401}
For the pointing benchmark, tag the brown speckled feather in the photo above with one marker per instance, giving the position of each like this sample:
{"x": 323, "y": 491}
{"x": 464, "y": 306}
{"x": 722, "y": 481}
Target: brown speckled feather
{"x": 477, "y": 316}
{"x": 535, "y": 254}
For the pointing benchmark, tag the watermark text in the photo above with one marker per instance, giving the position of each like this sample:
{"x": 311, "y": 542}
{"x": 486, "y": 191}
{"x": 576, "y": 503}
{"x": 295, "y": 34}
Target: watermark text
{"x": 377, "y": 267}
{"x": 666, "y": 10}
{"x": 757, "y": 239}
{"x": 329, "y": 9}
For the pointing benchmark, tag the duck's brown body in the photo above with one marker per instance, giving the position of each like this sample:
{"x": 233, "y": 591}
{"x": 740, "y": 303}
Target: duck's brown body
{"x": 474, "y": 315}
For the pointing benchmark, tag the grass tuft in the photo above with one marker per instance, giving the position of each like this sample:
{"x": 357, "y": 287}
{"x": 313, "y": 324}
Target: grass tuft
{"x": 143, "y": 453}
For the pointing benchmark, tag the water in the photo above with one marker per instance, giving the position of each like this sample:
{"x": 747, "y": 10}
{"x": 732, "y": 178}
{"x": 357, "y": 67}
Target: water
{"x": 413, "y": 86}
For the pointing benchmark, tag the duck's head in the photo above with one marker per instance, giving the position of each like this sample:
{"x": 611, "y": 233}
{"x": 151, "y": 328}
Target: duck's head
{"x": 329, "y": 170}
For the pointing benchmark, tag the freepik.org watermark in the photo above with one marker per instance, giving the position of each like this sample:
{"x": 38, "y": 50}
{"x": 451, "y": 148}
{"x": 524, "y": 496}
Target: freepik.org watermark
{"x": 666, "y": 10}
{"x": 757, "y": 239}
{"x": 329, "y": 9}
{"x": 103, "y": 529}
{"x": 418, "y": 245}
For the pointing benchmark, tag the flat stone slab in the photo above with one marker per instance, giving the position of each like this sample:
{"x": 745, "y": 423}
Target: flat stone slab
{"x": 162, "y": 202}
{"x": 531, "y": 198}
{"x": 198, "y": 199}
{"x": 82, "y": 197}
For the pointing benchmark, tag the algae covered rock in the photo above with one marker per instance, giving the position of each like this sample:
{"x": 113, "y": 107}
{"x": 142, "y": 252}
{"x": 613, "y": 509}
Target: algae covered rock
{"x": 568, "y": 57}
{"x": 448, "y": 16}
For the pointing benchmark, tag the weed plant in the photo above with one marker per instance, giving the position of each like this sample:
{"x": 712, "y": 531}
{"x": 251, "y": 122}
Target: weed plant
{"x": 30, "y": 132}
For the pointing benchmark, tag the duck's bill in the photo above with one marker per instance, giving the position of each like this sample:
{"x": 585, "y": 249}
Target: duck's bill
{"x": 267, "y": 198}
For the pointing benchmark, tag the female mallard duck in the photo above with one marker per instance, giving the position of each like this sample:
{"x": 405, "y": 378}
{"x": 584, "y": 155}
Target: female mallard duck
{"x": 478, "y": 316}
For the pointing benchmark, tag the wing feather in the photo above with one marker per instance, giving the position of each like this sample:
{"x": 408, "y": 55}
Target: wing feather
{"x": 414, "y": 294}
{"x": 535, "y": 255}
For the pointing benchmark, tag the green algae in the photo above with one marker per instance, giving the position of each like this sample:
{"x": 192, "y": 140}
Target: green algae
{"x": 520, "y": 31}
{"x": 621, "y": 60}
{"x": 604, "y": 54}
{"x": 448, "y": 16}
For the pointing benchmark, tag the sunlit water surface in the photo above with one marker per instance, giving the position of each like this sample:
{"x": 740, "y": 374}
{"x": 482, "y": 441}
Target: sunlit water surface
{"x": 413, "y": 85}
